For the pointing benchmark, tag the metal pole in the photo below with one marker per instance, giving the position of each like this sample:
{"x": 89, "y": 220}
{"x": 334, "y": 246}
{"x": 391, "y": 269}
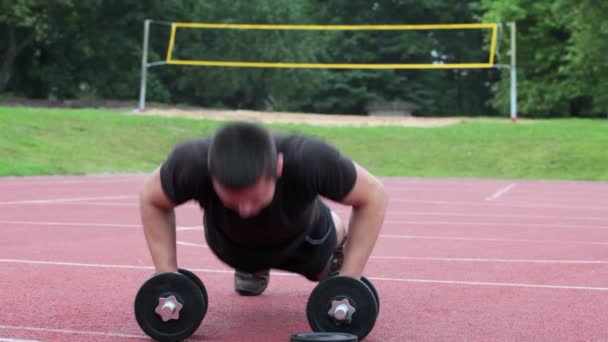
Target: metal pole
{"x": 144, "y": 67}
{"x": 513, "y": 75}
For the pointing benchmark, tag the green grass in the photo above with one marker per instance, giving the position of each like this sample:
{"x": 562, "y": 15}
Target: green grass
{"x": 37, "y": 141}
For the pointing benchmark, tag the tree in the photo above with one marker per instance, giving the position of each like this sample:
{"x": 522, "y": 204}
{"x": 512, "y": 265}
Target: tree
{"x": 26, "y": 22}
{"x": 253, "y": 88}
{"x": 561, "y": 49}
{"x": 434, "y": 92}
{"x": 586, "y": 70}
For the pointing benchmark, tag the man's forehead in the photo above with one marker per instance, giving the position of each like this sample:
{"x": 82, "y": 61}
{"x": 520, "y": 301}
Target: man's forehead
{"x": 260, "y": 185}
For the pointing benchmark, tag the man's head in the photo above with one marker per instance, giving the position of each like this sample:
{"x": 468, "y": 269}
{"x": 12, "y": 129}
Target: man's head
{"x": 244, "y": 166}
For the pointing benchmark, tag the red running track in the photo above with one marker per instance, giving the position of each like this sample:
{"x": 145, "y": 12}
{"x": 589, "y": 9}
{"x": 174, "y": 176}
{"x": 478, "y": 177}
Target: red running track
{"x": 491, "y": 260}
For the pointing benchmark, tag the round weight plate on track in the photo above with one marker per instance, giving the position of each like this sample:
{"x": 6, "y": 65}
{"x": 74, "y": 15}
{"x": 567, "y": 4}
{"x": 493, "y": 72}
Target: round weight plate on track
{"x": 361, "y": 309}
{"x": 371, "y": 287}
{"x": 323, "y": 337}
{"x": 198, "y": 282}
{"x": 188, "y": 312}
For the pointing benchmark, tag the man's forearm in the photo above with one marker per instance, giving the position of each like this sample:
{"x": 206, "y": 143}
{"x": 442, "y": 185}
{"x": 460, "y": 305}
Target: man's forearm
{"x": 364, "y": 227}
{"x": 159, "y": 230}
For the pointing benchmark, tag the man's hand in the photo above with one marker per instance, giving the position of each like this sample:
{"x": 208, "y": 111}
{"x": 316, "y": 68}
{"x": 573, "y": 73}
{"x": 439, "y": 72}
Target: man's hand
{"x": 158, "y": 219}
{"x": 369, "y": 201}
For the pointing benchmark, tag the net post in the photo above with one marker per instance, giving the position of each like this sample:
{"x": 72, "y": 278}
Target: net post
{"x": 144, "y": 67}
{"x": 513, "y": 74}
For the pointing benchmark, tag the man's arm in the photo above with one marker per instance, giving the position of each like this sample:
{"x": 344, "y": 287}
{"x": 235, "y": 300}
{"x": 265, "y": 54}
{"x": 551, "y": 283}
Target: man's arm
{"x": 369, "y": 201}
{"x": 158, "y": 219}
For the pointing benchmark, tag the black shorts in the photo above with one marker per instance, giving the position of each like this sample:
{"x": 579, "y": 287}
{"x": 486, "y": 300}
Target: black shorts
{"x": 308, "y": 257}
{"x": 313, "y": 254}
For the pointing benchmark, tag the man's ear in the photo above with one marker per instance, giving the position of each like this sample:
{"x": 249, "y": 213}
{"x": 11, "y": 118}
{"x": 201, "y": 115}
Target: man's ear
{"x": 279, "y": 165}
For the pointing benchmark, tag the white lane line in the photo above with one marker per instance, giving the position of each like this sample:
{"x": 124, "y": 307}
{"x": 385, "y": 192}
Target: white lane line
{"x": 383, "y": 236}
{"x": 478, "y": 283}
{"x": 229, "y": 271}
{"x": 495, "y": 204}
{"x": 66, "y": 199}
{"x": 94, "y": 203}
{"x": 63, "y": 182}
{"x": 104, "y": 204}
{"x": 578, "y": 194}
{"x": 398, "y": 214}
{"x": 78, "y": 264}
{"x": 501, "y": 192}
{"x": 81, "y": 204}
{"x": 88, "y": 224}
{"x": 531, "y": 261}
{"x": 189, "y": 244}
{"x": 75, "y": 264}
{"x": 90, "y": 179}
{"x": 458, "y": 238}
{"x": 187, "y": 228}
{"x": 494, "y": 224}
{"x": 72, "y": 331}
{"x": 3, "y": 339}
{"x": 401, "y": 222}
{"x": 390, "y": 215}
{"x": 73, "y": 224}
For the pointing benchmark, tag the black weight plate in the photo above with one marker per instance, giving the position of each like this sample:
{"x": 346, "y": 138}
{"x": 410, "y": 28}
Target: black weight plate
{"x": 323, "y": 337}
{"x": 371, "y": 287}
{"x": 198, "y": 282}
{"x": 186, "y": 291}
{"x": 337, "y": 288}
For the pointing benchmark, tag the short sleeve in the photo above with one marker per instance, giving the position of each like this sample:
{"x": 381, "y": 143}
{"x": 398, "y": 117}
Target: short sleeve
{"x": 184, "y": 172}
{"x": 325, "y": 170}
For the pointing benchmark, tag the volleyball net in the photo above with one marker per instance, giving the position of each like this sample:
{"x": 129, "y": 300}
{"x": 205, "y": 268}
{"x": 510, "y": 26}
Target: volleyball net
{"x": 180, "y": 28}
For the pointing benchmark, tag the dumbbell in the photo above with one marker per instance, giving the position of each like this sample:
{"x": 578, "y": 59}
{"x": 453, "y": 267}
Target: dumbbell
{"x": 368, "y": 283}
{"x": 171, "y": 306}
{"x": 342, "y": 305}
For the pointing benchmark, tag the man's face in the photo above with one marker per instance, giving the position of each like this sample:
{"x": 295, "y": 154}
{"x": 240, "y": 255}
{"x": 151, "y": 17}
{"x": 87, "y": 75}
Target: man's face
{"x": 249, "y": 201}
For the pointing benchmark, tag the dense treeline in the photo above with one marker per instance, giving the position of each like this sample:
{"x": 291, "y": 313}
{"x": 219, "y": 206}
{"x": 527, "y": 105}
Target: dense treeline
{"x": 67, "y": 49}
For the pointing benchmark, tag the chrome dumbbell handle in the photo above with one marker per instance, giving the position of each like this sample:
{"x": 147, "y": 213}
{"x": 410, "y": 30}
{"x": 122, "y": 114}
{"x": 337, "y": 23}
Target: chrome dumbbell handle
{"x": 168, "y": 308}
{"x": 341, "y": 310}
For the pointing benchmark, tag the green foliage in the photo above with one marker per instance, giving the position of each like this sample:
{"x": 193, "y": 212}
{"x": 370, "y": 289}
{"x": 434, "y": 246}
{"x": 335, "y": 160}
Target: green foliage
{"x": 561, "y": 49}
{"x": 433, "y": 92}
{"x": 67, "y": 49}
{"x": 246, "y": 87}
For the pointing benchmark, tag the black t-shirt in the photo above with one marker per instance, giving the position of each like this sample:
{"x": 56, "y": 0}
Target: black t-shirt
{"x": 311, "y": 168}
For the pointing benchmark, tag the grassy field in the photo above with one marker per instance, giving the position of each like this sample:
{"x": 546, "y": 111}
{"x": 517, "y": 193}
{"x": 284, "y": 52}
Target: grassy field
{"x": 36, "y": 141}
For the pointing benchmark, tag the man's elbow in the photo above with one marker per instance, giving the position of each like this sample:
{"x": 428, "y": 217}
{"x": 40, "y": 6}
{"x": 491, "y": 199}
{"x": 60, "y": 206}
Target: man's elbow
{"x": 145, "y": 193}
{"x": 380, "y": 195}
{"x": 153, "y": 194}
{"x": 376, "y": 197}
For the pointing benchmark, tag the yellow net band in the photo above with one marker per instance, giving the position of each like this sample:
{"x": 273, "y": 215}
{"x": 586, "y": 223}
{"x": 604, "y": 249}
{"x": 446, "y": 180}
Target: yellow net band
{"x": 331, "y": 65}
{"x": 489, "y": 64}
{"x": 336, "y": 27}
